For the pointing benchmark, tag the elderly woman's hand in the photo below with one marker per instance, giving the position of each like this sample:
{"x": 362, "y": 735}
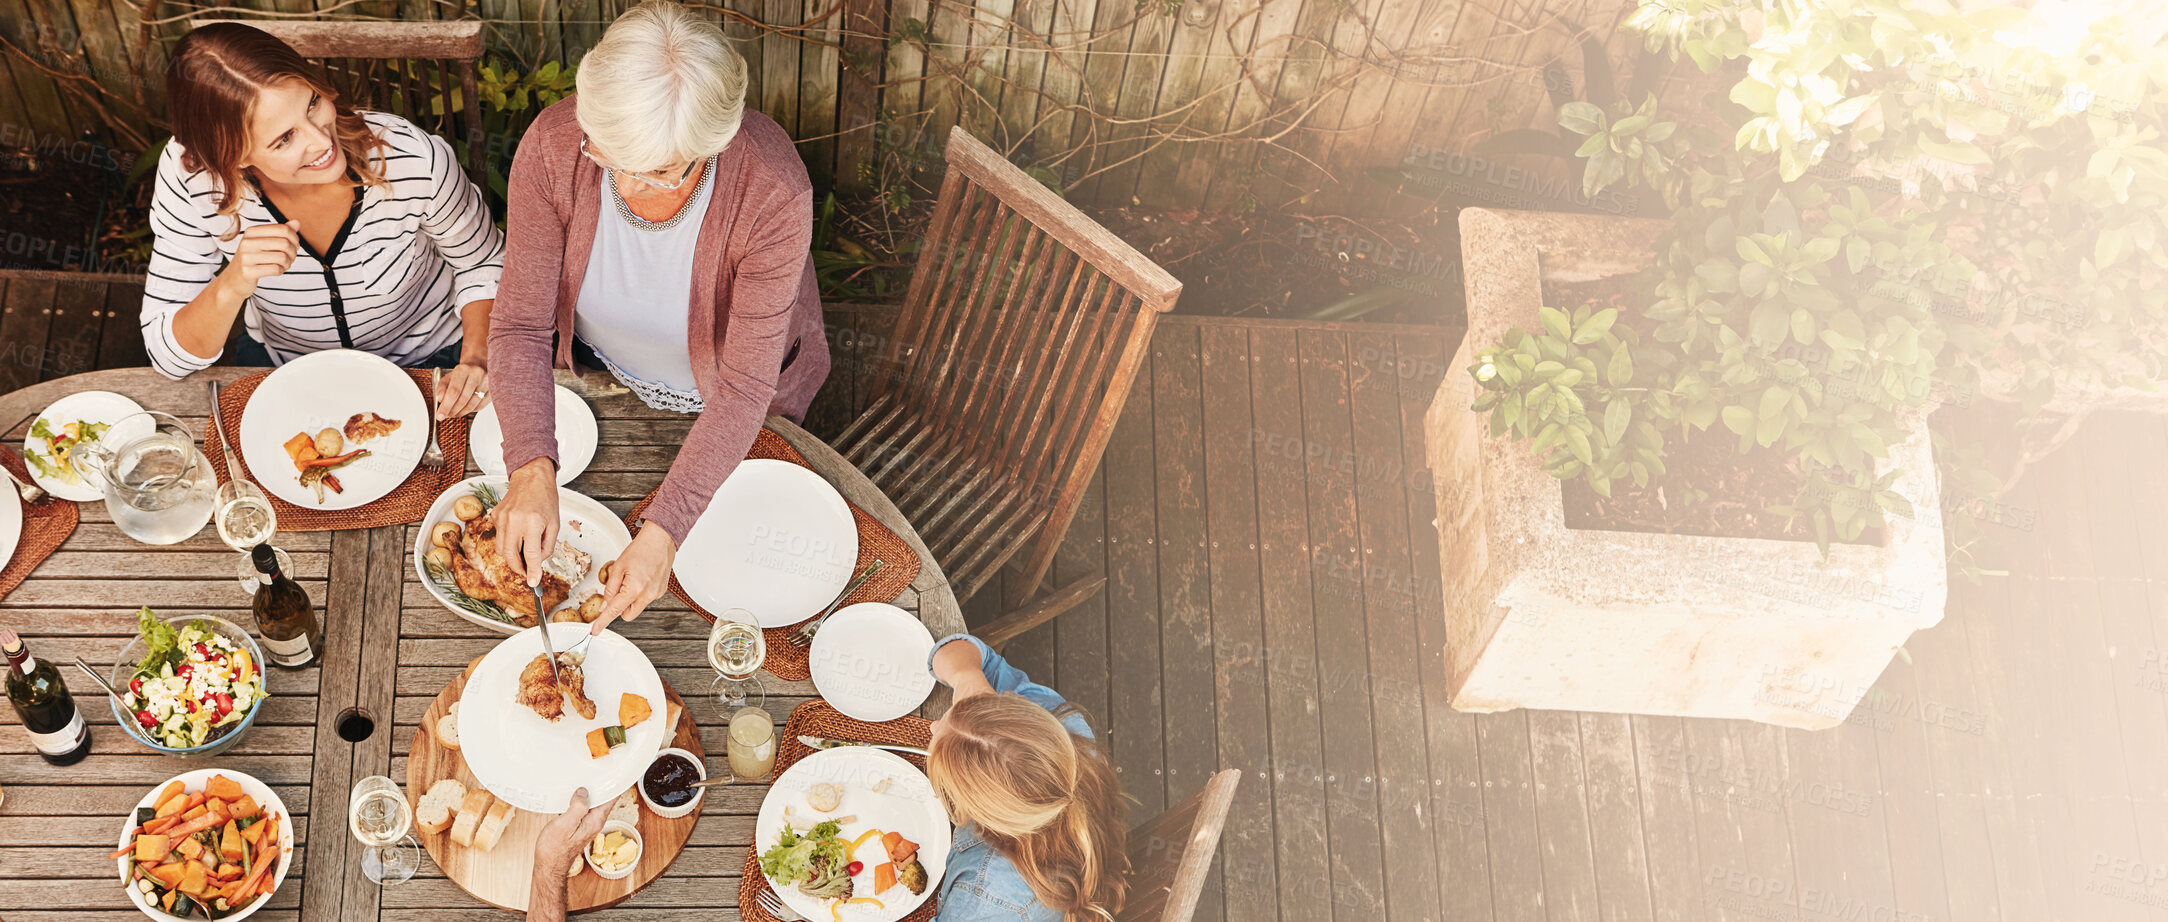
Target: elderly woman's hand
{"x": 638, "y": 576}
{"x": 527, "y": 518}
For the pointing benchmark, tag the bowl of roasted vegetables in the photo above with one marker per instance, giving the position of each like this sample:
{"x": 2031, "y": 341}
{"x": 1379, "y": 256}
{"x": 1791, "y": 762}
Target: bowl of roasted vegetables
{"x": 192, "y": 684}
{"x": 208, "y": 844}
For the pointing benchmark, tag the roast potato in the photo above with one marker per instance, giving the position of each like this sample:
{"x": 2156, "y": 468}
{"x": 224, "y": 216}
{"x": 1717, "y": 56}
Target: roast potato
{"x": 444, "y": 534}
{"x": 330, "y": 443}
{"x": 467, "y": 508}
{"x": 440, "y": 556}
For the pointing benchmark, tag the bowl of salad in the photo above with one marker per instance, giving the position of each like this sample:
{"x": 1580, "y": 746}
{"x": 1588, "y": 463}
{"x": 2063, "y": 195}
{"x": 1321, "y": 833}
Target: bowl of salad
{"x": 193, "y": 684}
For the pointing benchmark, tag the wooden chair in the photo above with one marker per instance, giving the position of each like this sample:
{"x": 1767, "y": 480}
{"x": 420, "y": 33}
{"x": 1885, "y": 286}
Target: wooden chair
{"x": 1023, "y": 328}
{"x": 1170, "y": 854}
{"x": 379, "y": 65}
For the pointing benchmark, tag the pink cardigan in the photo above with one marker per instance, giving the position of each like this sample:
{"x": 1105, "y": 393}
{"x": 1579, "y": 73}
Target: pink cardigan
{"x": 753, "y": 300}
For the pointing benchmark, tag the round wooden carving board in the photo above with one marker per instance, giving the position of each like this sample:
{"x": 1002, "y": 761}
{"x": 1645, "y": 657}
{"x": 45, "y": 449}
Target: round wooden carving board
{"x": 501, "y": 876}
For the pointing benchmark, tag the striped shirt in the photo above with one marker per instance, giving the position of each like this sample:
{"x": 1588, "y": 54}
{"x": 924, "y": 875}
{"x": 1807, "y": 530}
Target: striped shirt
{"x": 411, "y": 254}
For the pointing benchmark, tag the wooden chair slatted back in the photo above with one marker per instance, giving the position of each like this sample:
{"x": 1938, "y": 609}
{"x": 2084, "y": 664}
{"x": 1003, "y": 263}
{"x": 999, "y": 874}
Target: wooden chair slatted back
{"x": 1020, "y": 335}
{"x": 1171, "y": 854}
{"x": 423, "y": 72}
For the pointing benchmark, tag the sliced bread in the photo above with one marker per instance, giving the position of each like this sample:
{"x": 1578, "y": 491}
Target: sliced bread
{"x": 471, "y": 811}
{"x": 627, "y": 807}
{"x": 492, "y": 828}
{"x": 674, "y": 711}
{"x": 437, "y": 808}
{"x": 448, "y": 728}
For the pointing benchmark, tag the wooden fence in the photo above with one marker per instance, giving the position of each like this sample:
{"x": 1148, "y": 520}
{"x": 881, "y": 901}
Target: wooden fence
{"x": 1171, "y": 103}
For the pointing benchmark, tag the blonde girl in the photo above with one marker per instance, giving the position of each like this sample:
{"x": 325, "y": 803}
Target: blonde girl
{"x": 1041, "y": 821}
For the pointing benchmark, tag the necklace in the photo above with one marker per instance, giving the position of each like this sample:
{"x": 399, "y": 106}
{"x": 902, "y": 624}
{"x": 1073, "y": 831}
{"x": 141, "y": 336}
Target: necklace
{"x": 635, "y": 220}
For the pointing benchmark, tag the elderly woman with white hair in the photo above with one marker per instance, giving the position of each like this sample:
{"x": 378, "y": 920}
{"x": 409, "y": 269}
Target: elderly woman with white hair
{"x": 659, "y": 230}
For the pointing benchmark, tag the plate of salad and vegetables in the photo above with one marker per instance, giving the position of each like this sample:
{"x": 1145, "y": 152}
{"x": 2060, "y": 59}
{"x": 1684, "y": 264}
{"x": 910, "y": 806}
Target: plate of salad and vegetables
{"x": 853, "y": 834}
{"x": 208, "y": 844}
{"x": 191, "y": 684}
{"x": 70, "y": 421}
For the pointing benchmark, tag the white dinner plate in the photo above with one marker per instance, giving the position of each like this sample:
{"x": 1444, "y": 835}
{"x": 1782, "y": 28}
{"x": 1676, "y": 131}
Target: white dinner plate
{"x": 909, "y": 806}
{"x": 83, "y": 406}
{"x": 11, "y": 523}
{"x": 257, "y": 791}
{"x": 535, "y": 764}
{"x": 583, "y": 523}
{"x": 777, "y": 541}
{"x": 576, "y": 437}
{"x": 869, "y": 660}
{"x": 321, "y": 390}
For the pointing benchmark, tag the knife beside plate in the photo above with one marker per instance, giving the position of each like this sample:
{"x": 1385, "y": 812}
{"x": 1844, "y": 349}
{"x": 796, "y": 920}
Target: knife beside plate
{"x": 822, "y": 742}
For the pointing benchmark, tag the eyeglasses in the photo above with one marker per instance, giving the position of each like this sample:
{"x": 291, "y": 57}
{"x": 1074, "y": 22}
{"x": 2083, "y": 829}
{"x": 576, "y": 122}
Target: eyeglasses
{"x": 649, "y": 177}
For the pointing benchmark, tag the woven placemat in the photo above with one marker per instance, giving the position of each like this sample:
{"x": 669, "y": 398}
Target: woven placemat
{"x": 818, "y": 718}
{"x": 899, "y": 566}
{"x": 46, "y": 526}
{"x": 404, "y": 505}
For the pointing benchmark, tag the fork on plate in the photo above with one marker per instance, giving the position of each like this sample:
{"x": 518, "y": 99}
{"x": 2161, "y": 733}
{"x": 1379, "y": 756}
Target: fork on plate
{"x": 803, "y": 637}
{"x": 774, "y": 905}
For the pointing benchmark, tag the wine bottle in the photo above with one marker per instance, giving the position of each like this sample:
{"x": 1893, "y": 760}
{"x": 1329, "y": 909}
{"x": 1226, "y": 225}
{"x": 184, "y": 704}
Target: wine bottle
{"x": 285, "y": 620}
{"x": 41, "y": 699}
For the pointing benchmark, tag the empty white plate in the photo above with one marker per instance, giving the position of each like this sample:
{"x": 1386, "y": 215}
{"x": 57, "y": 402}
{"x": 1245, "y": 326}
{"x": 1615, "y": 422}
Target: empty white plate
{"x": 322, "y": 390}
{"x": 576, "y": 437}
{"x": 869, "y": 660}
{"x": 82, "y": 406}
{"x": 777, "y": 541}
{"x": 11, "y": 523}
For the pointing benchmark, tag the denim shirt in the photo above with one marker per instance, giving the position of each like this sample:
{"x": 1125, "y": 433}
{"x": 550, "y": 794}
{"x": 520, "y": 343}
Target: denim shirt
{"x": 980, "y": 885}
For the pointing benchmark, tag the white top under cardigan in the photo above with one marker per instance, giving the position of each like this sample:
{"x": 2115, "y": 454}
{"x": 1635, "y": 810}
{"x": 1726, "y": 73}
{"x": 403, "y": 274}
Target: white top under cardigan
{"x": 635, "y": 299}
{"x": 408, "y": 258}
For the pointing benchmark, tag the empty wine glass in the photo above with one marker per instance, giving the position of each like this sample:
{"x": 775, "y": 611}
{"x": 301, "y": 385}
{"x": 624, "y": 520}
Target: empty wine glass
{"x": 380, "y": 818}
{"x": 737, "y": 648}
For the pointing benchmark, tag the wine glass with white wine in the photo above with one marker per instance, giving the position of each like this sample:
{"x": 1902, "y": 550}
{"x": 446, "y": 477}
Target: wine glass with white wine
{"x": 737, "y": 648}
{"x": 244, "y": 518}
{"x": 380, "y": 818}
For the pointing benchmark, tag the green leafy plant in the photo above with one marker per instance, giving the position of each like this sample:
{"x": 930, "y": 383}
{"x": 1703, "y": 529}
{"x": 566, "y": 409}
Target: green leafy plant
{"x": 1912, "y": 202}
{"x": 1620, "y": 128}
{"x": 1569, "y": 389}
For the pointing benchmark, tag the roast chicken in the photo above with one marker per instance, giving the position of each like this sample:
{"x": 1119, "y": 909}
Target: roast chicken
{"x": 548, "y": 699}
{"x": 482, "y": 573}
{"x": 364, "y": 426}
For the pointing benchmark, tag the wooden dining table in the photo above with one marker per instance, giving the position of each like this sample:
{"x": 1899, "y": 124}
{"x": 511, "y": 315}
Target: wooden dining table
{"x": 389, "y": 648}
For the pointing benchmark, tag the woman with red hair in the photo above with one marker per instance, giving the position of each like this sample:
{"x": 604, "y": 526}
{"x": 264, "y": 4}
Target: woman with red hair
{"x": 336, "y": 227}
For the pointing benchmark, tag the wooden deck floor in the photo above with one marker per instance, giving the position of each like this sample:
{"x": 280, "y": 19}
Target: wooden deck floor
{"x": 1264, "y": 518}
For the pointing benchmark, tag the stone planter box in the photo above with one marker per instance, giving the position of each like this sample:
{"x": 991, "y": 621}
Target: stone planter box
{"x": 1540, "y": 615}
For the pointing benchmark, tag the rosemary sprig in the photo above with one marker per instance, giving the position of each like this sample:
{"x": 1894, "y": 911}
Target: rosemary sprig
{"x": 466, "y": 603}
{"x": 486, "y": 495}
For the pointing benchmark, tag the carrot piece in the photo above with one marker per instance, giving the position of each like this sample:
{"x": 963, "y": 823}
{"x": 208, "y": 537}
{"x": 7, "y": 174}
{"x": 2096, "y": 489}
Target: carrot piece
{"x": 173, "y": 790}
{"x": 243, "y": 807}
{"x": 261, "y": 877}
{"x": 223, "y": 788}
{"x": 168, "y": 874}
{"x": 177, "y": 807}
{"x": 335, "y": 460}
{"x": 152, "y": 848}
{"x": 208, "y": 820}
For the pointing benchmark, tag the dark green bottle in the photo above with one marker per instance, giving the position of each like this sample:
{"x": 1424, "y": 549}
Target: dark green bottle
{"x": 41, "y": 699}
{"x": 285, "y": 621}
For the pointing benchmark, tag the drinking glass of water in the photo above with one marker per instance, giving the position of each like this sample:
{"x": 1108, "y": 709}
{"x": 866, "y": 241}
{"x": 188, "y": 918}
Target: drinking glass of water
{"x": 380, "y": 818}
{"x": 737, "y": 648}
{"x": 244, "y": 518}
